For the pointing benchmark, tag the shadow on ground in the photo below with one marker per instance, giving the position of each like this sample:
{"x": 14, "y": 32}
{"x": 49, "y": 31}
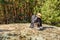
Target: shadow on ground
{"x": 1, "y": 30}
{"x": 44, "y": 28}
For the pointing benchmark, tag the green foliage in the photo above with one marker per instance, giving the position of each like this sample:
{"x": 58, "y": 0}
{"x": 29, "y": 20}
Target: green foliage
{"x": 50, "y": 13}
{"x": 50, "y": 10}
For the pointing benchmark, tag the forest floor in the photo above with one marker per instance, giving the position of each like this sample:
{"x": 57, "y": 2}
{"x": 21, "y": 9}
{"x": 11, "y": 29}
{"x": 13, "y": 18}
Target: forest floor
{"x": 21, "y": 31}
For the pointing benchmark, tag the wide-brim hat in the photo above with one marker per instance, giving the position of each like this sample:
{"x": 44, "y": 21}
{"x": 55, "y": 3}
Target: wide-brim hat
{"x": 38, "y": 15}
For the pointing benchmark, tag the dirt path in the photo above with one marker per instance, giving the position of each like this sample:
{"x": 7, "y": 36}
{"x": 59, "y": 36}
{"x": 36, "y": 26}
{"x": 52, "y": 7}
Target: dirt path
{"x": 23, "y": 32}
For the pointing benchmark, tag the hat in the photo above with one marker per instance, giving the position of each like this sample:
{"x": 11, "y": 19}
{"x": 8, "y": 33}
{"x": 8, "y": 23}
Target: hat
{"x": 38, "y": 15}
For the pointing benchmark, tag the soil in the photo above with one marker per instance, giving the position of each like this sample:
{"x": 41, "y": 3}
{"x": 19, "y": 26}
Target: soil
{"x": 22, "y": 31}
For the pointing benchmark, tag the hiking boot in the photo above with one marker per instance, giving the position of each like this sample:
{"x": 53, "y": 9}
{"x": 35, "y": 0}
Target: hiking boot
{"x": 40, "y": 28}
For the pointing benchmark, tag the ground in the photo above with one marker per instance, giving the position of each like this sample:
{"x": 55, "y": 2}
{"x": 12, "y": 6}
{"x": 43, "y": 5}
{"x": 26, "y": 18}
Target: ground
{"x": 21, "y": 31}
